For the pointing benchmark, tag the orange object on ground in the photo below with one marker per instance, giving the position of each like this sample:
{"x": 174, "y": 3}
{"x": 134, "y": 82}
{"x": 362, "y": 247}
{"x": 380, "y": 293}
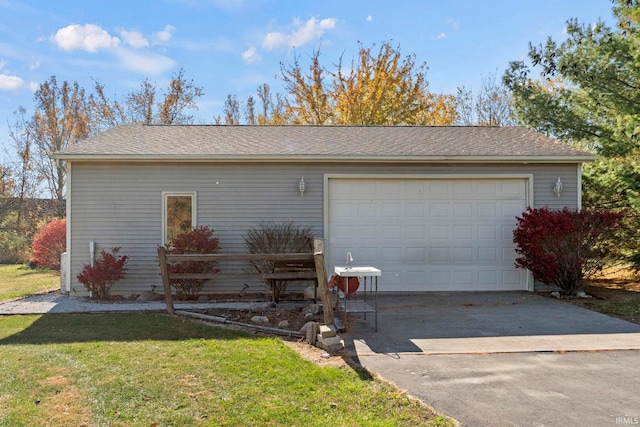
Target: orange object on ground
{"x": 338, "y": 281}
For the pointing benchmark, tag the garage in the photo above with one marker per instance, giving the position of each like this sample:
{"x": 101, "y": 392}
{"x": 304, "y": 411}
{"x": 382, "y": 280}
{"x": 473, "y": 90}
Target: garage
{"x": 429, "y": 233}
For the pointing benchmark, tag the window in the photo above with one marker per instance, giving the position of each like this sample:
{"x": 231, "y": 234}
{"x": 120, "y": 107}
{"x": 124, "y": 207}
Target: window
{"x": 179, "y": 214}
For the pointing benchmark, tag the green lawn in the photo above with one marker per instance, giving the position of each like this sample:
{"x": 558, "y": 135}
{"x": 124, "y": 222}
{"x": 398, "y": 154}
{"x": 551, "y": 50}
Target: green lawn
{"x": 19, "y": 281}
{"x": 156, "y": 370}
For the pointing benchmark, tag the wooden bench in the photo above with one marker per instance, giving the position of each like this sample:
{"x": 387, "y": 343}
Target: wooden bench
{"x": 298, "y": 266}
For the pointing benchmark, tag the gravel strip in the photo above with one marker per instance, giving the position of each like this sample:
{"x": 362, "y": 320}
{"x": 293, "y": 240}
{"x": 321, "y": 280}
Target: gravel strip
{"x": 56, "y": 303}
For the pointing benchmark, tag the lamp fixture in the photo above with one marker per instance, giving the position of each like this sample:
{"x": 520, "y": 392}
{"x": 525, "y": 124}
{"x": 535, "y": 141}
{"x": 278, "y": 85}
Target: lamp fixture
{"x": 558, "y": 188}
{"x": 302, "y": 186}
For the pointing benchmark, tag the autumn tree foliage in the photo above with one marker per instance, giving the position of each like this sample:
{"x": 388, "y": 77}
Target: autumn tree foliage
{"x": 146, "y": 105}
{"x": 49, "y": 243}
{"x": 200, "y": 240}
{"x": 61, "y": 118}
{"x": 105, "y": 271}
{"x": 562, "y": 247}
{"x": 379, "y": 87}
{"x": 585, "y": 90}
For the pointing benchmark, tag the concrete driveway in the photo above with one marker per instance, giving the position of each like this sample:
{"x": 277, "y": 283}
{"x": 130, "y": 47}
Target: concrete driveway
{"x": 503, "y": 358}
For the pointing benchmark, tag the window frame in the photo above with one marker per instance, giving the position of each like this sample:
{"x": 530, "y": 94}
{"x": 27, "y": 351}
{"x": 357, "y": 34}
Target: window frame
{"x": 165, "y": 196}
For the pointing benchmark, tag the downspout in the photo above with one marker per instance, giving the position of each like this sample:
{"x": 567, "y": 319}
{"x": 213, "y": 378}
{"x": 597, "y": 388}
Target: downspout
{"x": 92, "y": 251}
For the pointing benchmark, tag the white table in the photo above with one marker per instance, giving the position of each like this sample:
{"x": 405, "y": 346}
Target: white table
{"x": 360, "y": 306}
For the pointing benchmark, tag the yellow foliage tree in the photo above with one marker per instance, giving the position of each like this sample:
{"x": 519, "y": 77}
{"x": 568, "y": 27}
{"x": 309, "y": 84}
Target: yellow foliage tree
{"x": 378, "y": 89}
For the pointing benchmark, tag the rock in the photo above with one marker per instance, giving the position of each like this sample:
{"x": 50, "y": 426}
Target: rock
{"x": 131, "y": 297}
{"x": 273, "y": 305}
{"x": 310, "y": 331}
{"x": 582, "y": 294}
{"x": 555, "y": 294}
{"x": 314, "y": 309}
{"x": 260, "y": 319}
{"x": 308, "y": 316}
{"x": 309, "y": 292}
{"x": 203, "y": 298}
{"x": 283, "y": 324}
{"x": 147, "y": 296}
{"x": 306, "y": 327}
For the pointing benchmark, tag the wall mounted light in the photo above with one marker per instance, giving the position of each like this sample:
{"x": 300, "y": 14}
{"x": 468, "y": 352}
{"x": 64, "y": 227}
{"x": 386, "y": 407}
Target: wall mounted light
{"x": 558, "y": 188}
{"x": 302, "y": 186}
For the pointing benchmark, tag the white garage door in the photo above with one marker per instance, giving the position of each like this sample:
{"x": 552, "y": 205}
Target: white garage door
{"x": 429, "y": 234}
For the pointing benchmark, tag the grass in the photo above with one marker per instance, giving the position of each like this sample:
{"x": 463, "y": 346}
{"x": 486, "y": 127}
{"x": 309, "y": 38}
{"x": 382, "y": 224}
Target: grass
{"x": 626, "y": 310}
{"x": 151, "y": 369}
{"x": 19, "y": 280}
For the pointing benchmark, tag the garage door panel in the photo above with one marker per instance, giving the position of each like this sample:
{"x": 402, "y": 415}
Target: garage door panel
{"x": 439, "y": 210}
{"x": 417, "y": 231}
{"x": 463, "y": 210}
{"x": 416, "y": 255}
{"x": 429, "y": 234}
{"x": 487, "y": 232}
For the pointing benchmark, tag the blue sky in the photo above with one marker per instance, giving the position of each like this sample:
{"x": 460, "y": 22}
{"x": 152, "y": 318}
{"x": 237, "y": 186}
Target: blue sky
{"x": 233, "y": 46}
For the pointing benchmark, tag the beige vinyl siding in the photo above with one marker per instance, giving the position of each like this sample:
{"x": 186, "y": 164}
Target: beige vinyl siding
{"x": 120, "y": 204}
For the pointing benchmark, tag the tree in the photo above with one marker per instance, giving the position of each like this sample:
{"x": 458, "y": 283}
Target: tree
{"x": 180, "y": 98}
{"x": 250, "y": 111}
{"x": 588, "y": 94}
{"x": 271, "y": 112}
{"x": 231, "y": 110}
{"x": 25, "y": 180}
{"x": 6, "y": 192}
{"x": 145, "y": 106}
{"x": 491, "y": 106}
{"x": 376, "y": 89}
{"x": 61, "y": 118}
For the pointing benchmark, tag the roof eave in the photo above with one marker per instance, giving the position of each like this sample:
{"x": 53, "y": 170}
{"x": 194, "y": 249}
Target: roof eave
{"x": 325, "y": 158}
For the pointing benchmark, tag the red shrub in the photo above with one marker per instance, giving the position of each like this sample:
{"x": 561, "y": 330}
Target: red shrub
{"x": 563, "y": 247}
{"x": 106, "y": 270}
{"x": 49, "y": 243}
{"x": 197, "y": 241}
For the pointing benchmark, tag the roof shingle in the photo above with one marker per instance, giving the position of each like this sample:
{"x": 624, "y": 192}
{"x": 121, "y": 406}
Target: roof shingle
{"x": 211, "y": 142}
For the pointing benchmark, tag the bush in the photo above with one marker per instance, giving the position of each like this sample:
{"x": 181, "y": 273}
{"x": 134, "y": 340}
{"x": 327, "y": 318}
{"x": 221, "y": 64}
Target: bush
{"x": 277, "y": 238}
{"x": 197, "y": 241}
{"x": 15, "y": 247}
{"x": 106, "y": 270}
{"x": 562, "y": 248}
{"x": 49, "y": 243}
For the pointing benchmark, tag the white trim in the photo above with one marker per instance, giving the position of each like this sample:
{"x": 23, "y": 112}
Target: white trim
{"x": 67, "y": 281}
{"x": 529, "y": 198}
{"x": 194, "y": 211}
{"x": 579, "y": 185}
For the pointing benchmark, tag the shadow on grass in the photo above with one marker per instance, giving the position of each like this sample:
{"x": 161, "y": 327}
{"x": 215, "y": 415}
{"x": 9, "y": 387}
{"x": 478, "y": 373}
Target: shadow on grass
{"x": 74, "y": 328}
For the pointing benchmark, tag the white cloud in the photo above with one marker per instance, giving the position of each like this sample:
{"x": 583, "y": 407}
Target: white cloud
{"x": 165, "y": 35}
{"x": 145, "y": 63}
{"x": 34, "y": 86}
{"x": 10, "y": 82}
{"x": 442, "y": 35}
{"x": 2, "y": 64}
{"x": 369, "y": 18}
{"x": 251, "y": 55}
{"x": 301, "y": 34}
{"x": 34, "y": 65}
{"x": 134, "y": 39}
{"x": 455, "y": 25}
{"x": 89, "y": 37}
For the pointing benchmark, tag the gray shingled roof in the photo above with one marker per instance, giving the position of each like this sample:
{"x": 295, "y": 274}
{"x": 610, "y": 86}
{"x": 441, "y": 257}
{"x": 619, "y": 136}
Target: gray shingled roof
{"x": 335, "y": 143}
